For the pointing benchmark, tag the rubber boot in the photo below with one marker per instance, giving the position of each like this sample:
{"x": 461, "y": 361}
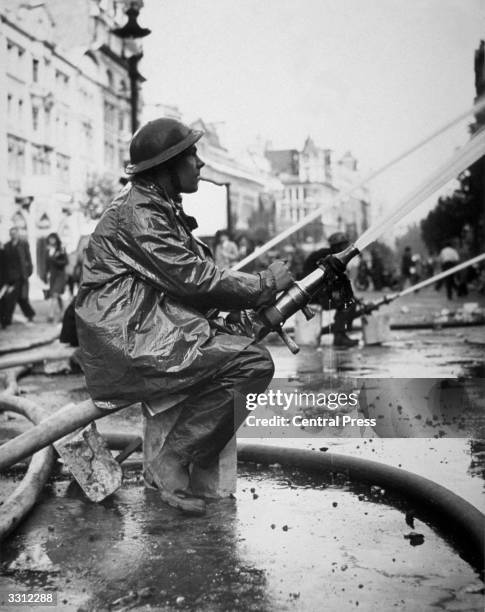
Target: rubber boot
{"x": 171, "y": 477}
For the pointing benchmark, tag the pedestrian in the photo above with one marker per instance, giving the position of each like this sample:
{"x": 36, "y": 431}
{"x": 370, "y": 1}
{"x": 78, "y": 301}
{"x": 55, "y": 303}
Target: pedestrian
{"x": 363, "y": 274}
{"x": 245, "y": 246}
{"x": 75, "y": 264}
{"x": 3, "y": 286}
{"x": 225, "y": 250}
{"x": 144, "y": 312}
{"x": 406, "y": 267}
{"x": 56, "y": 262}
{"x": 296, "y": 259}
{"x": 377, "y": 271}
{"x": 330, "y": 299}
{"x": 18, "y": 264}
{"x": 449, "y": 258}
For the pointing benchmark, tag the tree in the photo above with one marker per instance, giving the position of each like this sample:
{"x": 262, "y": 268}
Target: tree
{"x": 462, "y": 215}
{"x": 459, "y": 215}
{"x": 100, "y": 191}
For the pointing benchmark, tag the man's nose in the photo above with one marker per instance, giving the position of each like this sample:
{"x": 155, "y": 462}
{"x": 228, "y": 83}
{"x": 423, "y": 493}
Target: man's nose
{"x": 200, "y": 163}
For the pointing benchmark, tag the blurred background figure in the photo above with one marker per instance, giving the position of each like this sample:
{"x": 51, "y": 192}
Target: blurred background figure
{"x": 448, "y": 258}
{"x": 329, "y": 299}
{"x": 406, "y": 267}
{"x": 295, "y": 258}
{"x": 428, "y": 266}
{"x": 244, "y": 246}
{"x": 56, "y": 262}
{"x": 377, "y": 271}
{"x": 225, "y": 250}
{"x": 75, "y": 264}
{"x": 18, "y": 269}
{"x": 362, "y": 281}
{"x": 3, "y": 286}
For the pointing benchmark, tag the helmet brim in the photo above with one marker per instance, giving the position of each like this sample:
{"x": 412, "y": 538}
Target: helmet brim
{"x": 164, "y": 156}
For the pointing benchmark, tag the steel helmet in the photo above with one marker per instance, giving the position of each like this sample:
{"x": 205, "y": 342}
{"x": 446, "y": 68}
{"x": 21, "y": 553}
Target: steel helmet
{"x": 339, "y": 238}
{"x": 158, "y": 141}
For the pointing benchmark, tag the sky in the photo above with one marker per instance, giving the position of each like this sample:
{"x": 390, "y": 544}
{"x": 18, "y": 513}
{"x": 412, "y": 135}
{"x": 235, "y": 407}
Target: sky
{"x": 370, "y": 76}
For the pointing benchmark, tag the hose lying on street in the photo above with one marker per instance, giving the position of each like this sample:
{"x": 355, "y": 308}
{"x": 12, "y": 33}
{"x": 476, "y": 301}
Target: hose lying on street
{"x": 44, "y": 353}
{"x": 460, "y": 519}
{"x": 55, "y": 426}
{"x": 25, "y": 496}
{"x": 49, "y": 338}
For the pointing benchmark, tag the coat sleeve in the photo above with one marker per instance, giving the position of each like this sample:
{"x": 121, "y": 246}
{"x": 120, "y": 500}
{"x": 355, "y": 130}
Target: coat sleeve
{"x": 28, "y": 260}
{"x": 151, "y": 244}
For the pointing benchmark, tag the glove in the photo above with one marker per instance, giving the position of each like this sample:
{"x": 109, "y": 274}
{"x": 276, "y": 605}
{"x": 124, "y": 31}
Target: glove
{"x": 239, "y": 323}
{"x": 281, "y": 274}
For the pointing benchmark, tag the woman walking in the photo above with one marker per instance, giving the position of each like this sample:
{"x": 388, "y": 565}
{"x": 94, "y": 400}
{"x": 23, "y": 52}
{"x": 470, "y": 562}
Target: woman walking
{"x": 56, "y": 274}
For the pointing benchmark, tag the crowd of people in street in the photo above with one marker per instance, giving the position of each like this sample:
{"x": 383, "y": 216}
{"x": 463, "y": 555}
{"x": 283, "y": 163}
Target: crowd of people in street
{"x": 61, "y": 272}
{"x": 16, "y": 269}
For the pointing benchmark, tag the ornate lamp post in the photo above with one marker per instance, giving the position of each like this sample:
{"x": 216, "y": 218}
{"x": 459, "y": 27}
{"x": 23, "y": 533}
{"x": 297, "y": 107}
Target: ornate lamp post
{"x": 131, "y": 31}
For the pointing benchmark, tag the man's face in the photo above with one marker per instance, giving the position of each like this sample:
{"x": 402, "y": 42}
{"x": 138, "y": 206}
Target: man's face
{"x": 188, "y": 168}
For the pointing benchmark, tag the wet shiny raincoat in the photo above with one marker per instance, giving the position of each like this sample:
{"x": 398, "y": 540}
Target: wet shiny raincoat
{"x": 147, "y": 283}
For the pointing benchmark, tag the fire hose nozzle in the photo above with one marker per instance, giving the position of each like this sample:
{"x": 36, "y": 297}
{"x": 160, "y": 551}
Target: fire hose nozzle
{"x": 299, "y": 294}
{"x": 347, "y": 254}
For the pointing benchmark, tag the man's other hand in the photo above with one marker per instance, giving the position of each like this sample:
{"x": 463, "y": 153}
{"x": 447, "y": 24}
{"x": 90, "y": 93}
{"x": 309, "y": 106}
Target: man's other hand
{"x": 282, "y": 275}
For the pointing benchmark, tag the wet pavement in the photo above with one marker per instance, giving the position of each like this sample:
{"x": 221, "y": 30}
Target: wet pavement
{"x": 288, "y": 541}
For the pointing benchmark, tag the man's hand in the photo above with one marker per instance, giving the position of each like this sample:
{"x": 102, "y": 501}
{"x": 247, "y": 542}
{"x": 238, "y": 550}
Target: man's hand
{"x": 282, "y": 275}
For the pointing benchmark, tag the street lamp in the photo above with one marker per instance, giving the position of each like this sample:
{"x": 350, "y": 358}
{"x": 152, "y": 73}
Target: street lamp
{"x": 131, "y": 31}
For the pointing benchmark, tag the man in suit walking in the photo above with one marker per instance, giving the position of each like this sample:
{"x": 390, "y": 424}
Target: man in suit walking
{"x": 18, "y": 269}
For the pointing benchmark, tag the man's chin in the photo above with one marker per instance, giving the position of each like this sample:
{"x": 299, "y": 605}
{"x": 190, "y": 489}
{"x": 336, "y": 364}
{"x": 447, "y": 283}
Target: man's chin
{"x": 192, "y": 189}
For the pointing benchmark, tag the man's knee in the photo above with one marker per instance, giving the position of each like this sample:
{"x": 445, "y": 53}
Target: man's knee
{"x": 267, "y": 361}
{"x": 261, "y": 361}
{"x": 254, "y": 362}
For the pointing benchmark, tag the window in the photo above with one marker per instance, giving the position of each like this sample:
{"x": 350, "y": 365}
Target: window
{"x": 35, "y": 70}
{"x": 63, "y": 163}
{"x": 62, "y": 80}
{"x": 41, "y": 160}
{"x": 15, "y": 55}
{"x": 11, "y": 155}
{"x": 35, "y": 118}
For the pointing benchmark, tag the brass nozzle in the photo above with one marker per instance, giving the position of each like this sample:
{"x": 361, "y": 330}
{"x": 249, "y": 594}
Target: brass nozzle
{"x": 347, "y": 254}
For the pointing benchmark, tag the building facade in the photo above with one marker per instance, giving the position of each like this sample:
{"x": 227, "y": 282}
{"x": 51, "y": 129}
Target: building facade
{"x": 253, "y": 191}
{"x": 64, "y": 112}
{"x": 313, "y": 180}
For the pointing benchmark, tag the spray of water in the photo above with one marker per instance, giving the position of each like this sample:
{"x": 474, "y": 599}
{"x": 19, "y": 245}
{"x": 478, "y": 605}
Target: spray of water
{"x": 478, "y": 107}
{"x": 460, "y": 161}
{"x": 440, "y": 275}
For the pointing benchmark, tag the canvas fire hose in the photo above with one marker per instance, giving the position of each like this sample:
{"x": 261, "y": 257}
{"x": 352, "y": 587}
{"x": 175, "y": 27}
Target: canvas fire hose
{"x": 370, "y": 307}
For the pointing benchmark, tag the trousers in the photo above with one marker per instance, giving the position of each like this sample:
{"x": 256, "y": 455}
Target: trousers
{"x": 20, "y": 296}
{"x": 212, "y": 413}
